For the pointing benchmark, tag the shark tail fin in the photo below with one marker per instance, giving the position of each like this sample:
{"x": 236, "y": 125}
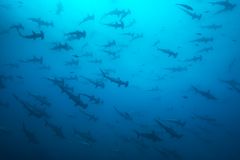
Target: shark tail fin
{"x": 137, "y": 133}
{"x": 122, "y": 24}
{"x": 103, "y": 73}
{"x": 126, "y": 84}
{"x": 19, "y": 33}
{"x": 194, "y": 88}
{"x": 92, "y": 118}
{"x": 179, "y": 136}
{"x": 158, "y": 122}
{"x": 83, "y": 77}
{"x": 84, "y": 34}
{"x": 41, "y": 60}
{"x": 42, "y": 35}
{"x": 115, "y": 108}
{"x": 15, "y": 96}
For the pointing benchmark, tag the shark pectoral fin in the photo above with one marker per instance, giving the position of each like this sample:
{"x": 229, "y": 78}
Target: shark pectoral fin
{"x": 126, "y": 84}
{"x": 137, "y": 133}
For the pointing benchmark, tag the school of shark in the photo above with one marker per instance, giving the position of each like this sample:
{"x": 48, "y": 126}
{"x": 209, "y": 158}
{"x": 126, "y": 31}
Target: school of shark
{"x": 120, "y": 79}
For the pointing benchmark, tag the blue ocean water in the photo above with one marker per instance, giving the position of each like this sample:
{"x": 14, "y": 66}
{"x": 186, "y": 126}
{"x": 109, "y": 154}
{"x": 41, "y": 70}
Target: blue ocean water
{"x": 119, "y": 79}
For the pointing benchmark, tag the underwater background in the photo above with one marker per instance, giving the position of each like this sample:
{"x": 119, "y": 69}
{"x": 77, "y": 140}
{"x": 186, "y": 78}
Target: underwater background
{"x": 119, "y": 79}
